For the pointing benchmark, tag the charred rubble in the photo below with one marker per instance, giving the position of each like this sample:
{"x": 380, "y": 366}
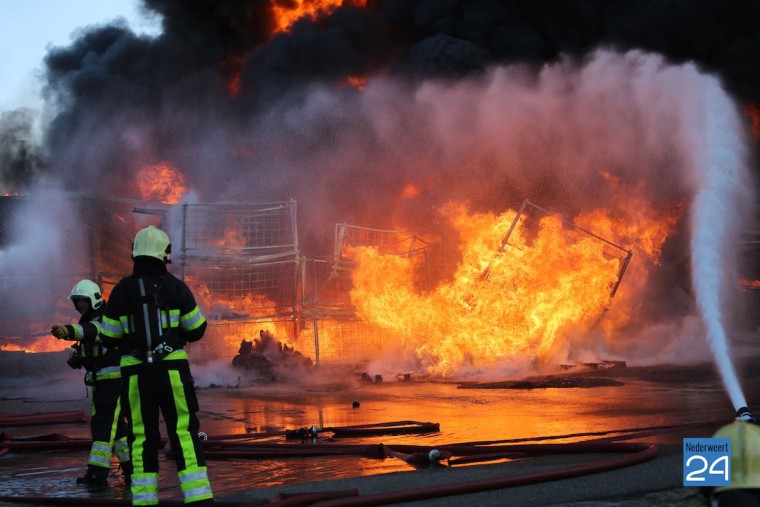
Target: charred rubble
{"x": 266, "y": 358}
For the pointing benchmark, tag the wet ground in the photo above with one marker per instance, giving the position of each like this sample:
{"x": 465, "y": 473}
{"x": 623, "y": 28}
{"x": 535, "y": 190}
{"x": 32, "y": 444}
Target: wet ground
{"x": 659, "y": 404}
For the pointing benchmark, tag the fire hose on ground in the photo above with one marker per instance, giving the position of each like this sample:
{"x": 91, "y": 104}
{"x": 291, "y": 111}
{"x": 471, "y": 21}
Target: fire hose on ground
{"x": 72, "y": 416}
{"x": 232, "y": 446}
{"x": 633, "y": 453}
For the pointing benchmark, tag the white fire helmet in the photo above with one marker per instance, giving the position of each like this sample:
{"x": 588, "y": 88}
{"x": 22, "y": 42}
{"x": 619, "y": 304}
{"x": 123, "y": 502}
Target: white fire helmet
{"x": 152, "y": 242}
{"x": 87, "y": 289}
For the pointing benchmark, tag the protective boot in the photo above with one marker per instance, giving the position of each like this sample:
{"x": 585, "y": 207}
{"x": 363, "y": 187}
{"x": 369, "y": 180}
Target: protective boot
{"x": 95, "y": 477}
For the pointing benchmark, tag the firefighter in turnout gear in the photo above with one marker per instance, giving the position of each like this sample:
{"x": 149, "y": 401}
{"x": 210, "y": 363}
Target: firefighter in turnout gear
{"x": 150, "y": 316}
{"x": 107, "y": 425}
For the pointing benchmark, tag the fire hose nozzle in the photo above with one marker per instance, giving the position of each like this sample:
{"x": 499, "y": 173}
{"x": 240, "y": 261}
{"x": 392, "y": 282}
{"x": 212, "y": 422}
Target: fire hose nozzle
{"x": 743, "y": 414}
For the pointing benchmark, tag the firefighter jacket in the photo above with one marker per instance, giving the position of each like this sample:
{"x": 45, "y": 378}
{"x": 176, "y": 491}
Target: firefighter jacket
{"x": 101, "y": 362}
{"x": 151, "y": 315}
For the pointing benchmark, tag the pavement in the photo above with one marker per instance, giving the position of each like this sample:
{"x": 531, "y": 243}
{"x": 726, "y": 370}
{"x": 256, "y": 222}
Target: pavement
{"x": 654, "y": 482}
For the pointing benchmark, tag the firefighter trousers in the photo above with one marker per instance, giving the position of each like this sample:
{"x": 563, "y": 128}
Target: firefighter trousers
{"x": 164, "y": 388}
{"x": 108, "y": 426}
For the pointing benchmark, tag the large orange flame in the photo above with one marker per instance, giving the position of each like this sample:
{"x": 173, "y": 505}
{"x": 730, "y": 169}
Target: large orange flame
{"x": 546, "y": 287}
{"x": 287, "y": 13}
{"x": 37, "y": 344}
{"x": 161, "y": 182}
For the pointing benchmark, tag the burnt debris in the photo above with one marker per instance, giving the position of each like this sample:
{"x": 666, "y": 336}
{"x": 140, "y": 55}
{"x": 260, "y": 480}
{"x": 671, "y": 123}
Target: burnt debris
{"x": 265, "y": 358}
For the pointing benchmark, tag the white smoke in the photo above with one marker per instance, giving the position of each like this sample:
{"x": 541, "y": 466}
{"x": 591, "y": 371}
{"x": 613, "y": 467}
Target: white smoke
{"x": 215, "y": 374}
{"x": 42, "y": 258}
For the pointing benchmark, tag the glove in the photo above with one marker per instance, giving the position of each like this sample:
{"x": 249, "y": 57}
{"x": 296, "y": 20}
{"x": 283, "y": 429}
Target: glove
{"x": 59, "y": 331}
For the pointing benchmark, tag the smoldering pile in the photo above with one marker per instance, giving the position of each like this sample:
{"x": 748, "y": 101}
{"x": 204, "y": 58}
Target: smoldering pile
{"x": 266, "y": 358}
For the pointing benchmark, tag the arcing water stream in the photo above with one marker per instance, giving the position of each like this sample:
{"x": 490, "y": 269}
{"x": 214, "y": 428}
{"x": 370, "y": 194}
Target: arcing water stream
{"x": 720, "y": 205}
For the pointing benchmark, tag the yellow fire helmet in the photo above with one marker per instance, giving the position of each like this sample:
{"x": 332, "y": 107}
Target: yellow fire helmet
{"x": 745, "y": 454}
{"x": 87, "y": 289}
{"x": 152, "y": 242}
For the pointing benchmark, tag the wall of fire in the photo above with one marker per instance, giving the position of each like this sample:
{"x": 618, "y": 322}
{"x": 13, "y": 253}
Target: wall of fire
{"x": 245, "y": 267}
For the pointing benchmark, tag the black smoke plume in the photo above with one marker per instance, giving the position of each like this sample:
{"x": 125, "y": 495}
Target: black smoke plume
{"x": 123, "y": 100}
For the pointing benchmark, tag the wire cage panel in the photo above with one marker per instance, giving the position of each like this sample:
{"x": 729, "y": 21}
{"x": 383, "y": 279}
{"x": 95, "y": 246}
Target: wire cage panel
{"x": 251, "y": 289}
{"x": 345, "y": 342}
{"x": 531, "y": 215}
{"x": 235, "y": 229}
{"x": 243, "y": 264}
{"x": 325, "y": 286}
{"x": 330, "y": 320}
{"x": 386, "y": 241}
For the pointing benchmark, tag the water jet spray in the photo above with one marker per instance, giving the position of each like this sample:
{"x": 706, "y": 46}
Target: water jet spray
{"x": 717, "y": 213}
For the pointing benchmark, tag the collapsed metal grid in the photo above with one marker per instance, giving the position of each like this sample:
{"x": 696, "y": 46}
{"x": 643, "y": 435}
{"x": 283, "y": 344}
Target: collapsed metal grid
{"x": 532, "y": 214}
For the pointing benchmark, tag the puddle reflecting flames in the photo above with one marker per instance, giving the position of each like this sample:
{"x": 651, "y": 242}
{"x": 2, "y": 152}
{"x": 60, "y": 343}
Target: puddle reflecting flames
{"x": 464, "y": 415}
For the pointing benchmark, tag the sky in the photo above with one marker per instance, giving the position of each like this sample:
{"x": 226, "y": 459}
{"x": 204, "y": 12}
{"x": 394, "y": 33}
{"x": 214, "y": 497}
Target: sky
{"x": 28, "y": 28}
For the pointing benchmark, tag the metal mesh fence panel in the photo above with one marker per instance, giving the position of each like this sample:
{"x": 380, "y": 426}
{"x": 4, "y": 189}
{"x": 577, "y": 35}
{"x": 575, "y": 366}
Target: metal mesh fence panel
{"x": 386, "y": 241}
{"x": 243, "y": 264}
{"x": 229, "y": 230}
{"x": 251, "y": 288}
{"x": 345, "y": 341}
